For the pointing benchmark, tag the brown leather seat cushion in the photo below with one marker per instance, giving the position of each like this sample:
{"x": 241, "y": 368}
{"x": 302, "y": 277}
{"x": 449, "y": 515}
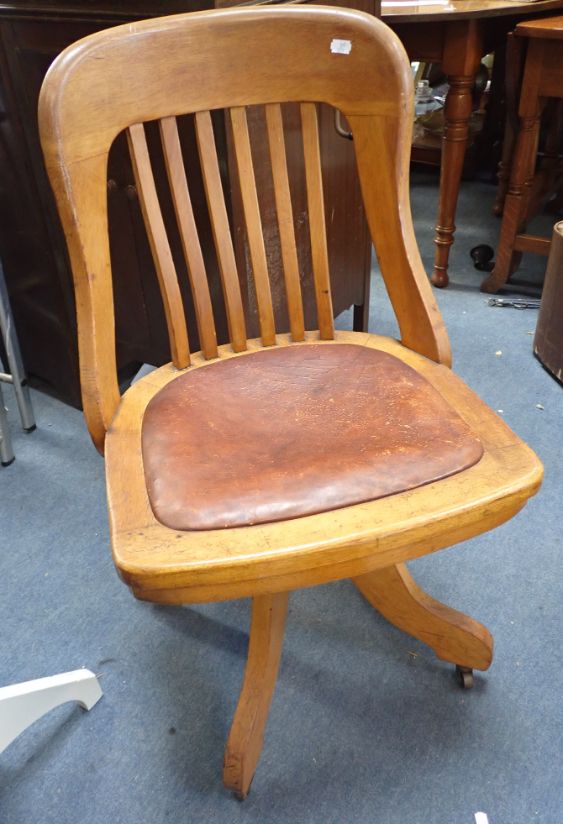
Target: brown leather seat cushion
{"x": 292, "y": 431}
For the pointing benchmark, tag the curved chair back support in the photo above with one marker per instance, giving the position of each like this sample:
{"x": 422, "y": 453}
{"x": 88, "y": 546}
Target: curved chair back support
{"x": 195, "y": 63}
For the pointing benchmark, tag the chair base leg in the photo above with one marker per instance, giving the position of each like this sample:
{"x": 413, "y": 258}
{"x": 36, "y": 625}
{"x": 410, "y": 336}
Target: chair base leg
{"x": 244, "y": 744}
{"x": 453, "y": 636}
{"x": 23, "y": 704}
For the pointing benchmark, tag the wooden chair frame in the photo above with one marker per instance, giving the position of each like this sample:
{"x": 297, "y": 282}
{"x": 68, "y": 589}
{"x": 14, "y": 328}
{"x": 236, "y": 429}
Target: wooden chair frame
{"x": 157, "y": 70}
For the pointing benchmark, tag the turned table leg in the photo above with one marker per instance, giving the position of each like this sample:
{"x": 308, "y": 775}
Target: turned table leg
{"x": 244, "y": 744}
{"x": 456, "y": 130}
{"x": 462, "y": 55}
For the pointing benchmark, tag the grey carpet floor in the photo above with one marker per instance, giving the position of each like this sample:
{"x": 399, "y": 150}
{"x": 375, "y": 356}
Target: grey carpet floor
{"x": 366, "y": 724}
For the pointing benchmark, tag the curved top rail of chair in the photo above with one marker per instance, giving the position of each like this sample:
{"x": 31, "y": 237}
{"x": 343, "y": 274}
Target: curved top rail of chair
{"x": 75, "y": 102}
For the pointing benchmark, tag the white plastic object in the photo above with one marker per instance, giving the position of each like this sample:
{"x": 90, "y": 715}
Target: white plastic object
{"x": 22, "y": 704}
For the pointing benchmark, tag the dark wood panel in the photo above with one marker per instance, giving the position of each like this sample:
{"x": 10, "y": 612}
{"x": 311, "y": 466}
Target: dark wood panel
{"x": 548, "y": 341}
{"x": 31, "y": 242}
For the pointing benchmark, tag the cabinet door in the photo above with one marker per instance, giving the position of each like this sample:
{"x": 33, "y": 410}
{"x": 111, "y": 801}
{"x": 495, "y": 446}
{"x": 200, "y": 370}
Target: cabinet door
{"x": 31, "y": 249}
{"x": 32, "y": 245}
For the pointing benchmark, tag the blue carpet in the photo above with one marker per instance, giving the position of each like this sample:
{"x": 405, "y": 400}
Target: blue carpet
{"x": 366, "y": 724}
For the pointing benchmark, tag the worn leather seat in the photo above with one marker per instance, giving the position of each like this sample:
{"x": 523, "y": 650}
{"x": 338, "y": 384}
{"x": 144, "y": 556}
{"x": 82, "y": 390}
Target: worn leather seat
{"x": 286, "y": 432}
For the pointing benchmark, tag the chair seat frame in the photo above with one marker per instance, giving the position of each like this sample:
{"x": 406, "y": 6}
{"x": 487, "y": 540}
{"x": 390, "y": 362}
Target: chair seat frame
{"x": 168, "y": 566}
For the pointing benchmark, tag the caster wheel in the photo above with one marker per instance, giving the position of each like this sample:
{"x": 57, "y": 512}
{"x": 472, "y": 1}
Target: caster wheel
{"x": 465, "y": 677}
{"x": 482, "y": 257}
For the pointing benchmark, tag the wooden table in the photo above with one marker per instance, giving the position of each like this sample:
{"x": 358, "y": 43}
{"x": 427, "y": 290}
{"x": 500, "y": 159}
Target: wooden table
{"x": 456, "y": 34}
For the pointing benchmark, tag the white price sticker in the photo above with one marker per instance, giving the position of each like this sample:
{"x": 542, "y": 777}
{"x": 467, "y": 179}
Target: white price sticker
{"x": 341, "y": 46}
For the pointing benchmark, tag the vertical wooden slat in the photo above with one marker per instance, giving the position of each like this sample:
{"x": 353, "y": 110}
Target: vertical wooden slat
{"x": 160, "y": 248}
{"x": 286, "y": 226}
{"x": 221, "y": 230}
{"x": 247, "y": 181}
{"x": 188, "y": 233}
{"x": 317, "y": 223}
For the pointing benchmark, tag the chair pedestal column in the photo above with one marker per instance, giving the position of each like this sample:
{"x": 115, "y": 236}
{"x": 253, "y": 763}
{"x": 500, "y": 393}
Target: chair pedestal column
{"x": 453, "y": 636}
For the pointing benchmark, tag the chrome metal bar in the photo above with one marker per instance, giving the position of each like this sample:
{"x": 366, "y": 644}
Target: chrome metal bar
{"x": 13, "y": 354}
{"x": 6, "y": 451}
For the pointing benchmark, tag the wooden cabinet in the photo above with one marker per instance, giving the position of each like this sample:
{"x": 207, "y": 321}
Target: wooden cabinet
{"x": 31, "y": 242}
{"x": 548, "y": 341}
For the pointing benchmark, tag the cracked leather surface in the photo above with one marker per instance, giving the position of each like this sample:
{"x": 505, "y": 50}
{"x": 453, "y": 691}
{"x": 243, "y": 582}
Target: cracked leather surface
{"x": 291, "y": 431}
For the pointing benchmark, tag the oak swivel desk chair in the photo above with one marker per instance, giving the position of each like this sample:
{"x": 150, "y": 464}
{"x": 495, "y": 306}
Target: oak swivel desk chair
{"x": 265, "y": 465}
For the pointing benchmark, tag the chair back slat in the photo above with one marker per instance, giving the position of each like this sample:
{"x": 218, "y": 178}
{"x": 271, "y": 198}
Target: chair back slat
{"x": 197, "y": 64}
{"x": 251, "y": 209}
{"x": 282, "y": 196}
{"x": 160, "y": 247}
{"x": 189, "y": 235}
{"x": 317, "y": 223}
{"x": 221, "y": 230}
